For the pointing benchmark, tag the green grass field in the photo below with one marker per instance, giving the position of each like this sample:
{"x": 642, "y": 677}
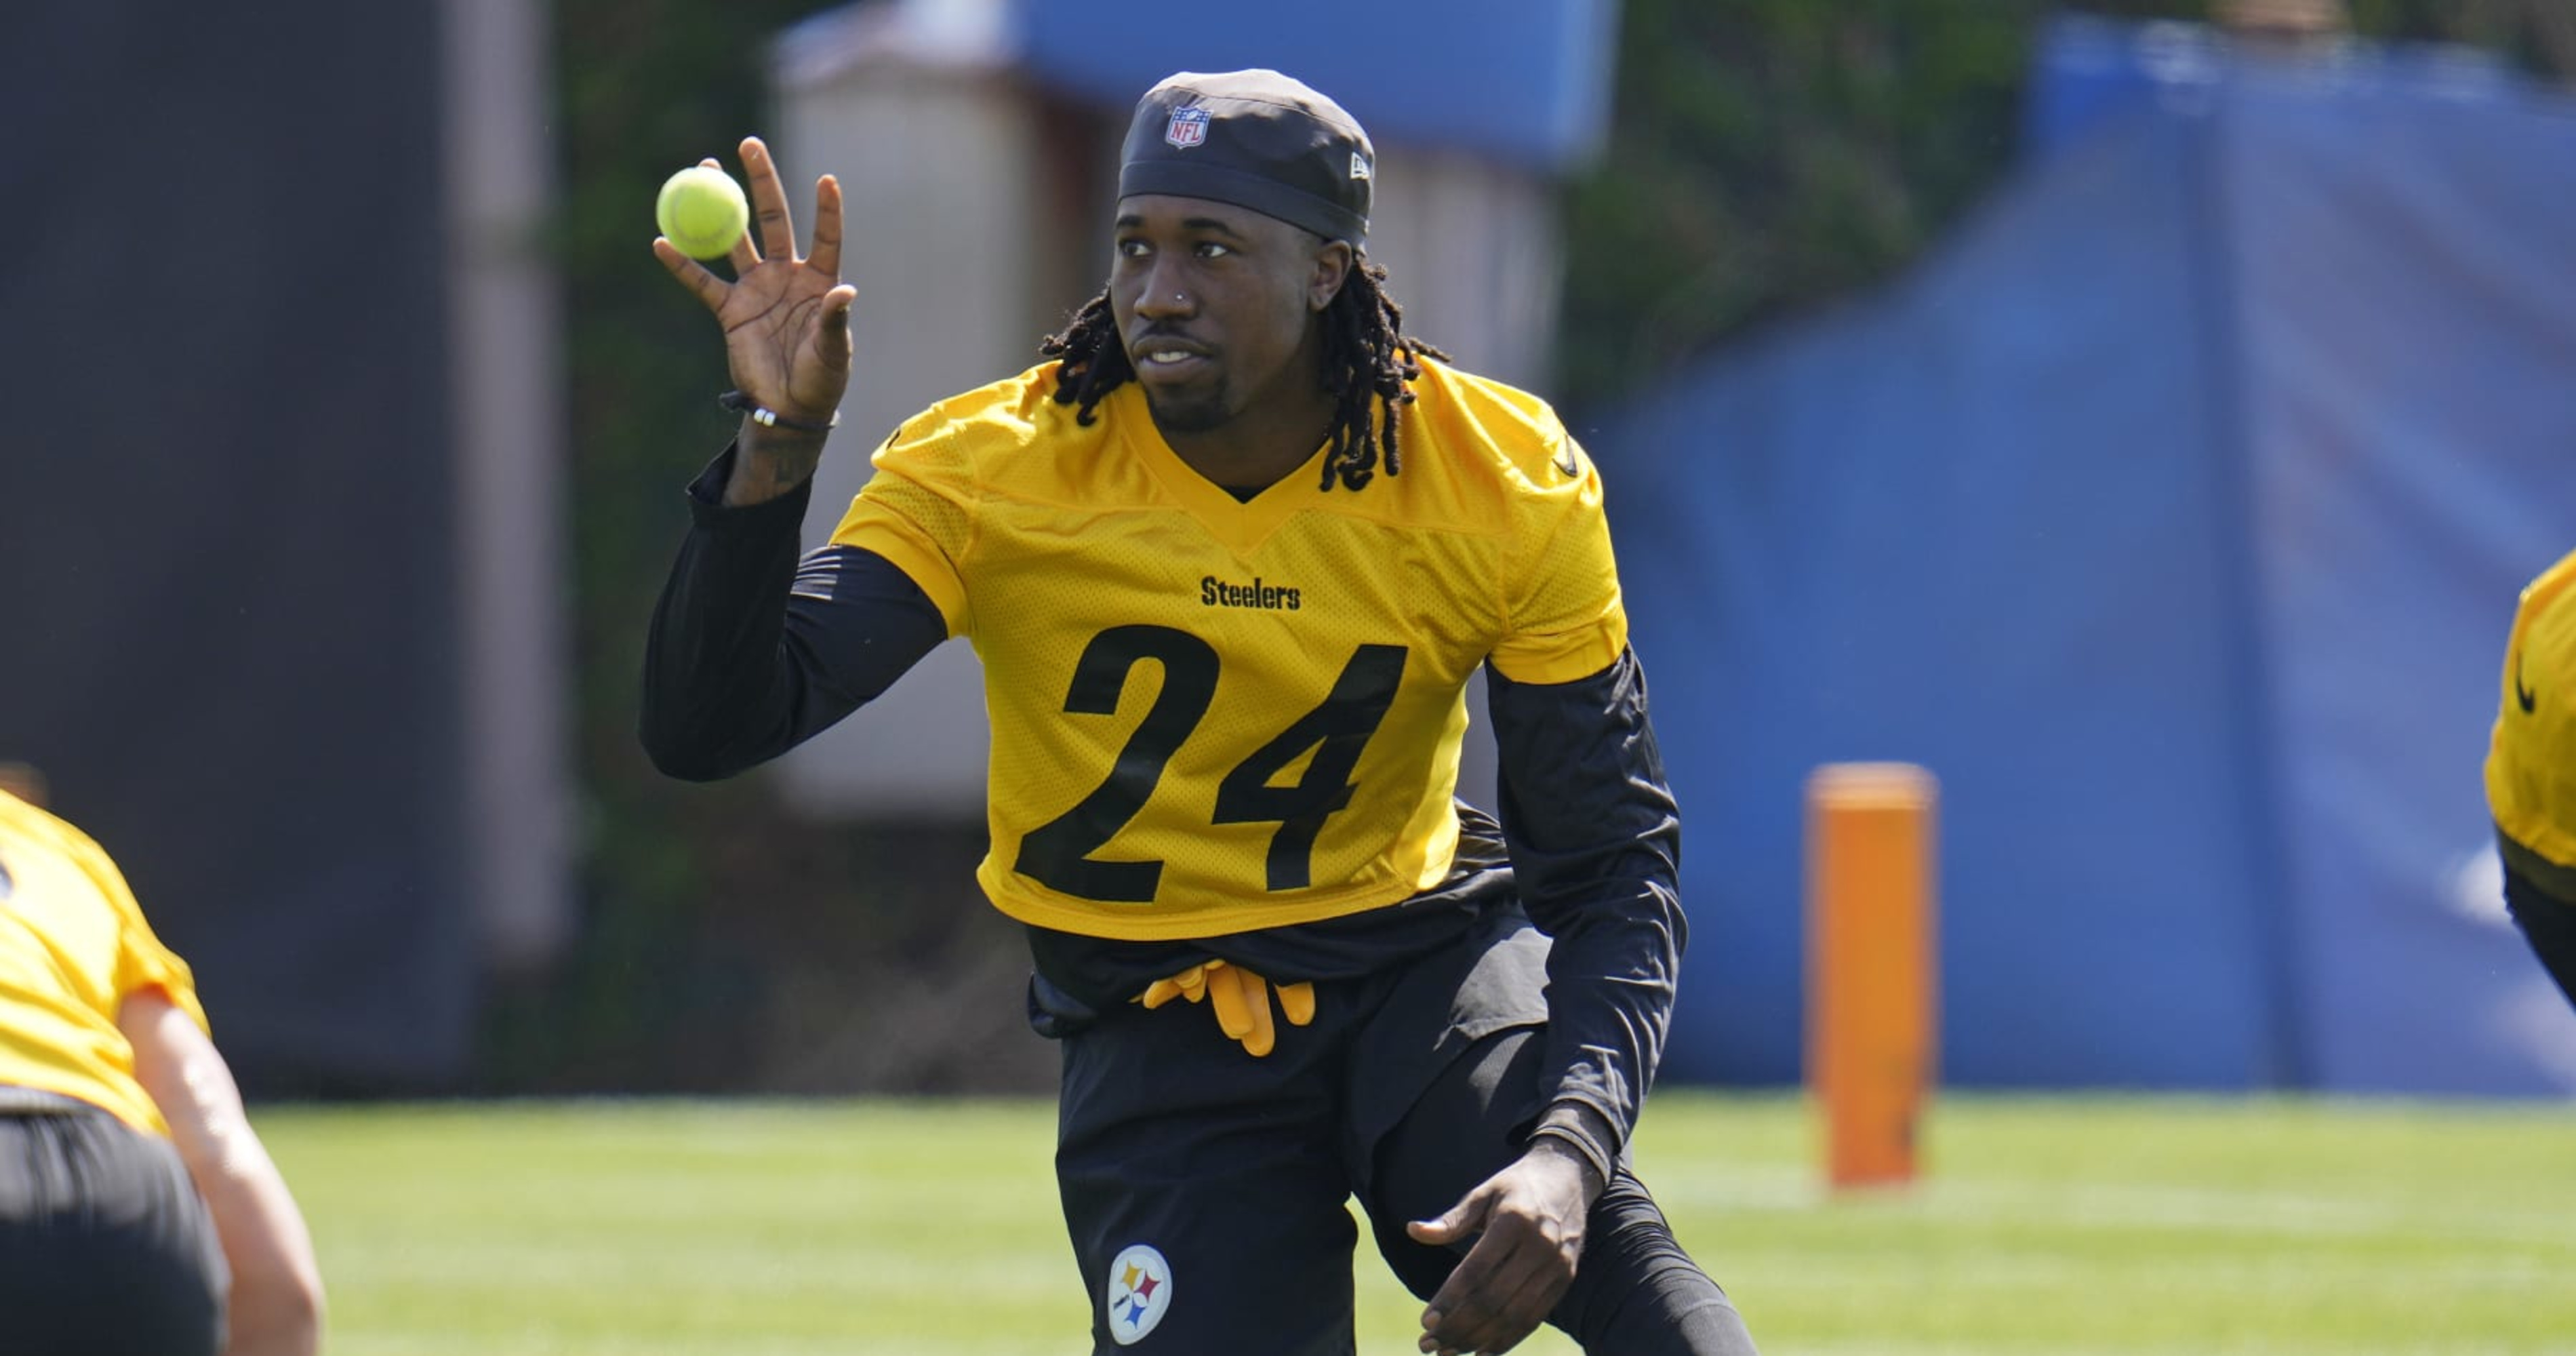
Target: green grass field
{"x": 2059, "y": 1226}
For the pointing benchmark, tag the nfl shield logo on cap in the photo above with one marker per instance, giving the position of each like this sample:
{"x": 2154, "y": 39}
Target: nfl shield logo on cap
{"x": 1187, "y": 128}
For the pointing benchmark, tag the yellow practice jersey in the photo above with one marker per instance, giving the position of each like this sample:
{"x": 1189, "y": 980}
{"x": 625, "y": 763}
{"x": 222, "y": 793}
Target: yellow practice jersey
{"x": 73, "y": 944}
{"x": 1209, "y": 715}
{"x": 2531, "y": 759}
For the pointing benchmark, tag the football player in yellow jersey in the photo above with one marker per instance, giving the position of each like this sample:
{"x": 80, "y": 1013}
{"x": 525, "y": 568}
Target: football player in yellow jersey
{"x": 2531, "y": 770}
{"x": 1229, "y": 558}
{"x": 138, "y": 1212}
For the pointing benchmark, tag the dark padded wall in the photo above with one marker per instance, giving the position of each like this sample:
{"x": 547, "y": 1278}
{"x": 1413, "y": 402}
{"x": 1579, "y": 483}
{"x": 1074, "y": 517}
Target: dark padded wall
{"x": 227, "y": 628}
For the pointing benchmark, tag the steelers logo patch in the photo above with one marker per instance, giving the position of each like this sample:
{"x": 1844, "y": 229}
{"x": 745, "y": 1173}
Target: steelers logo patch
{"x": 1140, "y": 1289}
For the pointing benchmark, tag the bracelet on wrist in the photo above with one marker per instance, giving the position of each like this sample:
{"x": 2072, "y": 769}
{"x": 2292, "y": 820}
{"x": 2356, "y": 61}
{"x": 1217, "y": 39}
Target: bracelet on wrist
{"x": 768, "y": 418}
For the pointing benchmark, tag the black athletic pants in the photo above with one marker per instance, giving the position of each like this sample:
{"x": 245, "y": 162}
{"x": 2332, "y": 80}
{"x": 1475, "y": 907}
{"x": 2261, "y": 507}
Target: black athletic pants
{"x": 105, "y": 1247}
{"x": 1204, "y": 1188}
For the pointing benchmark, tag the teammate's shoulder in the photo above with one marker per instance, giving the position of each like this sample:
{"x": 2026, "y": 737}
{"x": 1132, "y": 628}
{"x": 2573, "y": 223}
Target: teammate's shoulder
{"x": 2552, "y": 588}
{"x": 992, "y": 420}
{"x": 1493, "y": 423}
{"x": 27, "y": 820}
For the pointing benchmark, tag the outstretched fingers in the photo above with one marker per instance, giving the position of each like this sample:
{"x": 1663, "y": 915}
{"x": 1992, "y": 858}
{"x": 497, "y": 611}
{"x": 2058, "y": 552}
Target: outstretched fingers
{"x": 768, "y": 201}
{"x": 742, "y": 256}
{"x": 693, "y": 275}
{"x": 826, "y": 258}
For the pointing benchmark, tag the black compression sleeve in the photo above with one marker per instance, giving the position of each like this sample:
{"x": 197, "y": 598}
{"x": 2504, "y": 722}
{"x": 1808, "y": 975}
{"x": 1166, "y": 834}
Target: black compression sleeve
{"x": 750, "y": 653}
{"x": 1596, "y": 846}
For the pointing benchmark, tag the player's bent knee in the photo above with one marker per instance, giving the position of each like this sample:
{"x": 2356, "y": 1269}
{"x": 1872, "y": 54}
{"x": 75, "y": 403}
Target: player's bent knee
{"x": 1638, "y": 1293}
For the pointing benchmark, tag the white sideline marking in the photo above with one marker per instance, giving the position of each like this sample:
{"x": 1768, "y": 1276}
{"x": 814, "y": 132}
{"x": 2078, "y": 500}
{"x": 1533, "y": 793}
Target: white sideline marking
{"x": 2128, "y": 1205}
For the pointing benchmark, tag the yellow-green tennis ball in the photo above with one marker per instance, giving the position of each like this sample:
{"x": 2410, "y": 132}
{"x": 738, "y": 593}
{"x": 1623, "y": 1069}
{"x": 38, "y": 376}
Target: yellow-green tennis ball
{"x": 702, "y": 211}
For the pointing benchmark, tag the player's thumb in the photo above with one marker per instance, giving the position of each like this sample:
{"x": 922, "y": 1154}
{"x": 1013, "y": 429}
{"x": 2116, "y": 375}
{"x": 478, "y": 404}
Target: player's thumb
{"x": 834, "y": 341}
{"x": 1462, "y": 1221}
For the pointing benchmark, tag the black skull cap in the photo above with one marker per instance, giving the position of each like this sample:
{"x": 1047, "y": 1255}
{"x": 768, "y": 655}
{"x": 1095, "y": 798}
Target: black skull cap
{"x": 1255, "y": 139}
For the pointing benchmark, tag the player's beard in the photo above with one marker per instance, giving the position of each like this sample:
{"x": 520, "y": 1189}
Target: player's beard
{"x": 1196, "y": 411}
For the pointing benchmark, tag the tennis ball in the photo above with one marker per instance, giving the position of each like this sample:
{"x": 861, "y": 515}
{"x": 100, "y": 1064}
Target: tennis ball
{"x": 702, "y": 211}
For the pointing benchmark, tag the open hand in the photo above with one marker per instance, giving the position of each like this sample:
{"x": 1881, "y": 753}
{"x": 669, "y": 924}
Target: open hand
{"x": 786, "y": 320}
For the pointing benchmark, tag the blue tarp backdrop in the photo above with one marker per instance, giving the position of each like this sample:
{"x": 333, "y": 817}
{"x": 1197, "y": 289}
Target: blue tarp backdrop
{"x": 2173, "y": 515}
{"x": 1525, "y": 81}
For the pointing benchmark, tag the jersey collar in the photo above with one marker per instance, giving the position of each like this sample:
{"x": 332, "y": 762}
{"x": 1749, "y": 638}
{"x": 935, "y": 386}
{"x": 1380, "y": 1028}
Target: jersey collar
{"x": 1240, "y": 525}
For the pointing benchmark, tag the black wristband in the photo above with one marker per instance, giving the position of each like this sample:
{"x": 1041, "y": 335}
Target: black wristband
{"x": 769, "y": 418}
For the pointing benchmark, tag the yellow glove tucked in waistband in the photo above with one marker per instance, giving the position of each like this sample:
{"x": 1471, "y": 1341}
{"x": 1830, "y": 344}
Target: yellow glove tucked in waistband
{"x": 1242, "y": 1001}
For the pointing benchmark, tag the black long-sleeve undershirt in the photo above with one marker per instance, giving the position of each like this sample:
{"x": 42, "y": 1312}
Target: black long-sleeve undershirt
{"x": 751, "y": 652}
{"x": 2541, "y": 896}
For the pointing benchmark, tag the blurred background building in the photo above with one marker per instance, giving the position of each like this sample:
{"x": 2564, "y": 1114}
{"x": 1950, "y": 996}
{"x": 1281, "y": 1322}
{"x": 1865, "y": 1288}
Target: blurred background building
{"x": 2140, "y": 415}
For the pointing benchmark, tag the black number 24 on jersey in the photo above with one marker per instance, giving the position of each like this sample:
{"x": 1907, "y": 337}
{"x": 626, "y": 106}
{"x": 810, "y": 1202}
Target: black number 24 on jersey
{"x": 1057, "y": 854}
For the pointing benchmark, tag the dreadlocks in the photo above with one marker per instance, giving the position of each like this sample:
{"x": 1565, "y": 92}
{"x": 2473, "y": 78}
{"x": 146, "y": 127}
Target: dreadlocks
{"x": 1367, "y": 361}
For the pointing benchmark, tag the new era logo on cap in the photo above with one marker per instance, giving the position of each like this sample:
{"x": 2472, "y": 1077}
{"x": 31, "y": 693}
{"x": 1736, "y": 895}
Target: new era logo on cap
{"x": 1359, "y": 166}
{"x": 1187, "y": 128}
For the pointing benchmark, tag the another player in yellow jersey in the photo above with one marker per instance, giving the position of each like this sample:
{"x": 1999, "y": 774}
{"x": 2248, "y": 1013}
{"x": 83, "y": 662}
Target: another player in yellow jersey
{"x": 2531, "y": 770}
{"x": 1230, "y": 559}
{"x": 138, "y": 1212}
